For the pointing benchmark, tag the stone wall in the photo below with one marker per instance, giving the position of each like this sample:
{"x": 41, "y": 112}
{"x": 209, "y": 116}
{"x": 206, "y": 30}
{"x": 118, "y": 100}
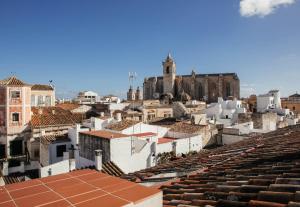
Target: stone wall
{"x": 200, "y": 87}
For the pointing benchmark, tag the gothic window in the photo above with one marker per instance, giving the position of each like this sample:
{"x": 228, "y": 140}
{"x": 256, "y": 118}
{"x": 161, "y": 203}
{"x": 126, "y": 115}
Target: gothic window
{"x": 228, "y": 90}
{"x": 200, "y": 91}
{"x": 213, "y": 92}
{"x": 168, "y": 69}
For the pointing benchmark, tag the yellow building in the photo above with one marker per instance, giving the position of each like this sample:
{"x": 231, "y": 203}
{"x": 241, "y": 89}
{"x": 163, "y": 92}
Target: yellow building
{"x": 292, "y": 103}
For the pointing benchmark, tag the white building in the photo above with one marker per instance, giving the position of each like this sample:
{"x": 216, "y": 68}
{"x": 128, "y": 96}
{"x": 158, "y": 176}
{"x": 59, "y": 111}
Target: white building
{"x": 269, "y": 101}
{"x": 224, "y": 111}
{"x": 87, "y": 97}
{"x": 133, "y": 146}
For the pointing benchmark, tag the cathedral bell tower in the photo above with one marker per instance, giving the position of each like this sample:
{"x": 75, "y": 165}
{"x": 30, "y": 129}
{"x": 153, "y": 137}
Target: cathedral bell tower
{"x": 169, "y": 68}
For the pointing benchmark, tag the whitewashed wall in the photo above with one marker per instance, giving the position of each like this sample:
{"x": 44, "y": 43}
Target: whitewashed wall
{"x": 142, "y": 128}
{"x": 52, "y": 152}
{"x": 165, "y": 147}
{"x": 230, "y": 139}
{"x": 57, "y": 168}
{"x": 121, "y": 155}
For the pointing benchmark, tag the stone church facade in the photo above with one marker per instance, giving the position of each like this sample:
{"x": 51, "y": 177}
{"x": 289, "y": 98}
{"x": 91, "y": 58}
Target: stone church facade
{"x": 204, "y": 87}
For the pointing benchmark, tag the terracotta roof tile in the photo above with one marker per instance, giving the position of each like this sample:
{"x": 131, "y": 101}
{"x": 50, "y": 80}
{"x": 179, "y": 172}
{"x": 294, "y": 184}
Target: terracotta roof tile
{"x": 40, "y": 87}
{"x": 145, "y": 134}
{"x": 105, "y": 134}
{"x": 53, "y": 116}
{"x": 12, "y": 81}
{"x": 261, "y": 171}
{"x": 68, "y": 106}
{"x": 48, "y": 139}
{"x": 164, "y": 140}
{"x": 124, "y": 124}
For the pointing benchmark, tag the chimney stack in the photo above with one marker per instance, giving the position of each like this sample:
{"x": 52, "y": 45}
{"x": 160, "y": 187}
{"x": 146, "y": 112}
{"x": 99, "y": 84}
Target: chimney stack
{"x": 98, "y": 160}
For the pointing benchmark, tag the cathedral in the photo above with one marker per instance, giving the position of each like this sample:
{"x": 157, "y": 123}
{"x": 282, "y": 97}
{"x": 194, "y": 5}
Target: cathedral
{"x": 203, "y": 87}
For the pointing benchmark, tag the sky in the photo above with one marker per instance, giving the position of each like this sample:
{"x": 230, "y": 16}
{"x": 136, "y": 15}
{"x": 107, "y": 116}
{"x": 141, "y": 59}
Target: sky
{"x": 92, "y": 45}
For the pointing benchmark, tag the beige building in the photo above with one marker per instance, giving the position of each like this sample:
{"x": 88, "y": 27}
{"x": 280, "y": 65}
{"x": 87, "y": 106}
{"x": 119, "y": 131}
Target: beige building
{"x": 292, "y": 103}
{"x": 42, "y": 95}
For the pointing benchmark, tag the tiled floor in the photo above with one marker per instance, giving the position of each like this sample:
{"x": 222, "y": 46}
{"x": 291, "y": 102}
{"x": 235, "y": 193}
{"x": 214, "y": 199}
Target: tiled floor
{"x": 78, "y": 188}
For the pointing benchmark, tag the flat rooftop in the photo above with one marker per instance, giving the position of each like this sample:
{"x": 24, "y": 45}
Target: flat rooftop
{"x": 88, "y": 188}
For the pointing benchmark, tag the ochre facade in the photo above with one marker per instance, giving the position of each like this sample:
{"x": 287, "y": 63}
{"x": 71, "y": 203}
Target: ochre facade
{"x": 204, "y": 87}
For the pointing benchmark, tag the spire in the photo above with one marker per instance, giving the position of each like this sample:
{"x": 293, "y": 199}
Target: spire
{"x": 169, "y": 57}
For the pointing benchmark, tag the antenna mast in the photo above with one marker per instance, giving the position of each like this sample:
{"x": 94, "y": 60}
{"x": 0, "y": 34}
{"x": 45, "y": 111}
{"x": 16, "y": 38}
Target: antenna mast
{"x": 132, "y": 77}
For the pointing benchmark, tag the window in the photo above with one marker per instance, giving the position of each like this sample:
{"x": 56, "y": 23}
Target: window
{"x": 48, "y": 101}
{"x": 228, "y": 89}
{"x": 15, "y": 117}
{"x": 15, "y": 94}
{"x": 32, "y": 100}
{"x": 40, "y": 101}
{"x": 294, "y": 108}
{"x": 60, "y": 150}
{"x": 168, "y": 70}
{"x": 2, "y": 151}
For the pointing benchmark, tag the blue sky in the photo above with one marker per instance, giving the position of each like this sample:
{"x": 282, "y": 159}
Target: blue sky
{"x": 92, "y": 45}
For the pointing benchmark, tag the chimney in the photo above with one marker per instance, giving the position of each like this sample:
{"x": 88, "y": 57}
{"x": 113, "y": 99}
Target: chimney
{"x": 101, "y": 114}
{"x": 98, "y": 160}
{"x": 119, "y": 117}
{"x": 5, "y": 168}
{"x": 53, "y": 111}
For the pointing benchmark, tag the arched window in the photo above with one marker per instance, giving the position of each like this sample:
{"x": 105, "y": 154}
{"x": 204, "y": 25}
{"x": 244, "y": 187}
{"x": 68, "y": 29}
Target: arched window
{"x": 200, "y": 91}
{"x": 168, "y": 69}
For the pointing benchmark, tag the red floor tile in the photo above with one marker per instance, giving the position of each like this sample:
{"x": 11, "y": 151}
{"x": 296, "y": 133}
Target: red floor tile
{"x": 39, "y": 199}
{"x": 28, "y": 191}
{"x": 105, "y": 201}
{"x": 86, "y": 196}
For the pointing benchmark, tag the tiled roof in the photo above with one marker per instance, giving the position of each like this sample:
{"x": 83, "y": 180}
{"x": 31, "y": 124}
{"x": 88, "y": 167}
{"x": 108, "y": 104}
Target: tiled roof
{"x": 262, "y": 171}
{"x": 12, "y": 81}
{"x": 19, "y": 177}
{"x": 48, "y": 139}
{"x": 79, "y": 188}
{"x": 68, "y": 106}
{"x": 112, "y": 169}
{"x": 164, "y": 140}
{"x": 53, "y": 116}
{"x": 178, "y": 126}
{"x": 40, "y": 87}
{"x": 124, "y": 124}
{"x": 105, "y": 134}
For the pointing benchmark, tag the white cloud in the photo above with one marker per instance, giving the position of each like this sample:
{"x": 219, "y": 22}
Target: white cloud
{"x": 261, "y": 8}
